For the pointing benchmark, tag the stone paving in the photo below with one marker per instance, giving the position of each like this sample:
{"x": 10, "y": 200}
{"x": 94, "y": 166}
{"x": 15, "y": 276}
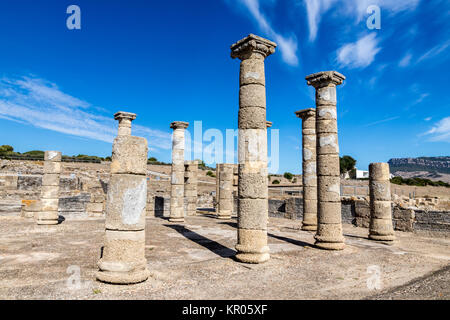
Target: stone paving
{"x": 194, "y": 260}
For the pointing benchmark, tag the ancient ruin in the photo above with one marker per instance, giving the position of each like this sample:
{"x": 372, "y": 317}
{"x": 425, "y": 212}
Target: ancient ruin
{"x": 380, "y": 228}
{"x": 225, "y": 191}
{"x": 309, "y": 172}
{"x": 122, "y": 258}
{"x": 48, "y": 213}
{"x": 329, "y": 229}
{"x": 252, "y": 149}
{"x": 177, "y": 182}
{"x": 190, "y": 187}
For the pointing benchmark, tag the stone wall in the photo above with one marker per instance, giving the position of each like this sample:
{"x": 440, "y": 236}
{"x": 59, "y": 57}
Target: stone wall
{"x": 83, "y": 188}
{"x": 357, "y": 212}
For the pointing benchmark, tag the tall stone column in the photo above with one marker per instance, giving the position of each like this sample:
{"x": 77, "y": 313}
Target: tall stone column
{"x": 177, "y": 183}
{"x": 329, "y": 230}
{"x": 190, "y": 187}
{"x": 48, "y": 213}
{"x": 380, "y": 227}
{"x": 124, "y": 119}
{"x": 226, "y": 191}
{"x": 123, "y": 255}
{"x": 218, "y": 169}
{"x": 252, "y": 149}
{"x": 309, "y": 174}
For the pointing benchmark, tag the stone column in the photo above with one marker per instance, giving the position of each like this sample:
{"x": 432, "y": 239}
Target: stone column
{"x": 177, "y": 183}
{"x": 252, "y": 149}
{"x": 329, "y": 230}
{"x": 30, "y": 208}
{"x": 380, "y": 227}
{"x": 226, "y": 191}
{"x": 309, "y": 175}
{"x": 218, "y": 169}
{"x": 190, "y": 187}
{"x": 125, "y": 119}
{"x": 50, "y": 189}
{"x": 123, "y": 255}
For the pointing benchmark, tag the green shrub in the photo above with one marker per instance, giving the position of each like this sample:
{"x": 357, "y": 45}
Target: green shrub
{"x": 276, "y": 182}
{"x": 288, "y": 175}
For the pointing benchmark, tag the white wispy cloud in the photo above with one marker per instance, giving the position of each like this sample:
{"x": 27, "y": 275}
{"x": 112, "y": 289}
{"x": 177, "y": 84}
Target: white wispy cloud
{"x": 405, "y": 61}
{"x": 382, "y": 121}
{"x": 40, "y": 103}
{"x": 435, "y": 51}
{"x": 287, "y": 45}
{"x": 427, "y": 119}
{"x": 359, "y": 54}
{"x": 315, "y": 9}
{"x": 440, "y": 131}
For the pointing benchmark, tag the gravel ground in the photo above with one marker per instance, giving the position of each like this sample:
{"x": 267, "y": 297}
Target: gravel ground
{"x": 195, "y": 261}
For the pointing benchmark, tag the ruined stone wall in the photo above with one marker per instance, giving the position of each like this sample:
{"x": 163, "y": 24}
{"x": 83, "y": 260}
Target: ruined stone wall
{"x": 357, "y": 212}
{"x": 83, "y": 187}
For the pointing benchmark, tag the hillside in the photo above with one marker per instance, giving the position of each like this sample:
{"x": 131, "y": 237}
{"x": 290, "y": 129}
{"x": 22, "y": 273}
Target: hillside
{"x": 433, "y": 168}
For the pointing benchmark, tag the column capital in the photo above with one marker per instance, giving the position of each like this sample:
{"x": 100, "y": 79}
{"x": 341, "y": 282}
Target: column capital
{"x": 306, "y": 113}
{"x": 122, "y": 115}
{"x": 325, "y": 78}
{"x": 179, "y": 125}
{"x": 252, "y": 46}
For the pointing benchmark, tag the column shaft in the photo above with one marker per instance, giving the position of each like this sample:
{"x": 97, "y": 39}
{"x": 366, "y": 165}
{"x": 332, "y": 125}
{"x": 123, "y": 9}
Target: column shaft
{"x": 123, "y": 256}
{"x": 329, "y": 230}
{"x": 177, "y": 182}
{"x": 380, "y": 227}
{"x": 48, "y": 213}
{"x": 252, "y": 150}
{"x": 226, "y": 191}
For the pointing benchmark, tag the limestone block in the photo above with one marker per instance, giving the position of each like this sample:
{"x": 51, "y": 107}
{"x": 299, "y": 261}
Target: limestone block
{"x": 328, "y": 144}
{"x": 252, "y": 185}
{"x": 129, "y": 155}
{"x": 252, "y": 145}
{"x": 54, "y": 156}
{"x": 329, "y": 188}
{"x": 94, "y": 207}
{"x": 50, "y": 179}
{"x": 381, "y": 209}
{"x": 126, "y": 202}
{"x": 326, "y": 95}
{"x": 252, "y": 95}
{"x": 252, "y": 72}
{"x": 50, "y": 192}
{"x": 329, "y": 212}
{"x": 379, "y": 171}
{"x": 380, "y": 190}
{"x": 324, "y": 112}
{"x": 252, "y": 246}
{"x": 49, "y": 204}
{"x": 253, "y": 213}
{"x": 52, "y": 167}
{"x": 252, "y": 118}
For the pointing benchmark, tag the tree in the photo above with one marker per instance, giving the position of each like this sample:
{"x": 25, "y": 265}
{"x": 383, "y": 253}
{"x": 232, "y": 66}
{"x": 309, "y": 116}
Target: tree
{"x": 210, "y": 173}
{"x": 6, "y": 149}
{"x": 152, "y": 159}
{"x": 346, "y": 164}
{"x": 288, "y": 175}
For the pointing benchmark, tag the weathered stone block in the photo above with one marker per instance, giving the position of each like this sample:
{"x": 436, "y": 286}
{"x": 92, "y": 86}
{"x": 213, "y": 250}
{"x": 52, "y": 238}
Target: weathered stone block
{"x": 129, "y": 155}
{"x": 126, "y": 202}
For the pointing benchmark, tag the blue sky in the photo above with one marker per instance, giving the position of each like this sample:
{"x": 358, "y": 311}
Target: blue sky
{"x": 170, "y": 61}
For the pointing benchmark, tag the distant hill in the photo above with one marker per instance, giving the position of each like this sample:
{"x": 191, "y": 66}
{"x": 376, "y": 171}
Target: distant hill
{"x": 433, "y": 168}
{"x": 430, "y": 164}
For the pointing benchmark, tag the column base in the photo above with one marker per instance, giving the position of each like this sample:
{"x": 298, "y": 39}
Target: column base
{"x": 252, "y": 257}
{"x": 47, "y": 222}
{"x": 309, "y": 227}
{"x": 223, "y": 217}
{"x": 115, "y": 277}
{"x": 330, "y": 245}
{"x": 176, "y": 219}
{"x": 389, "y": 239}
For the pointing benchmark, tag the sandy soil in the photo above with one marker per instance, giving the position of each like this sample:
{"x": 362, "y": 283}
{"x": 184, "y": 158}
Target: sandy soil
{"x": 194, "y": 261}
